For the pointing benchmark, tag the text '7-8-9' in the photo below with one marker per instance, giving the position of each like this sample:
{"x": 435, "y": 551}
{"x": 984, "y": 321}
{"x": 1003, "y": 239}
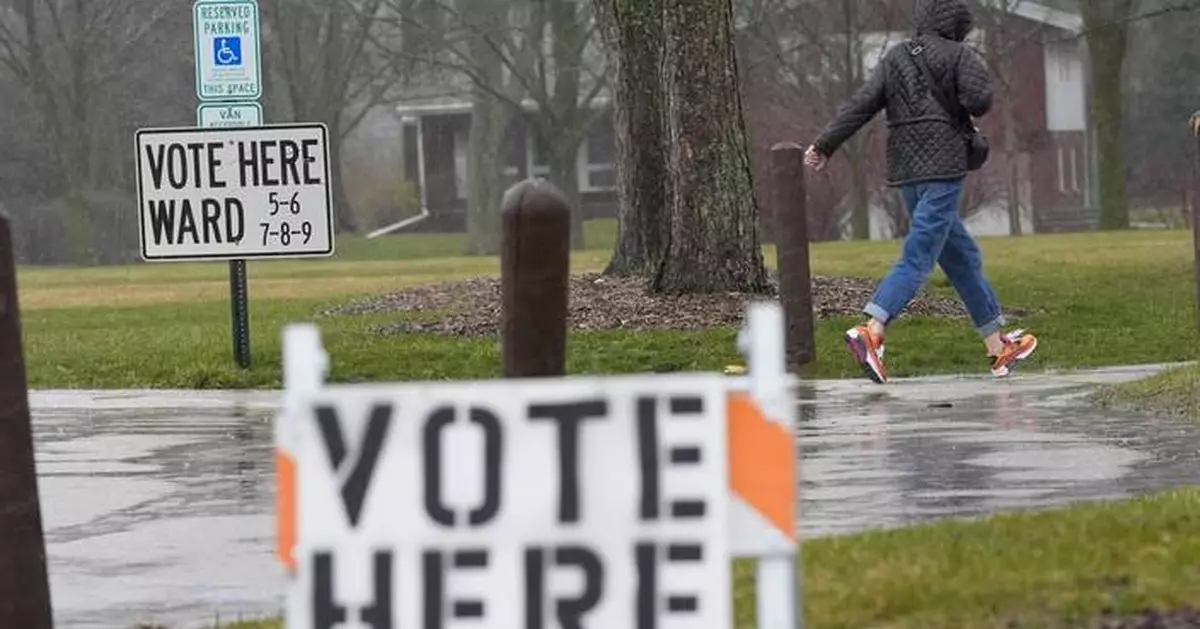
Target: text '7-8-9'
{"x": 285, "y": 231}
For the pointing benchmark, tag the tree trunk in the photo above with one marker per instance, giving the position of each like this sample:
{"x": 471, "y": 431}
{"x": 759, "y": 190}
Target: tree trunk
{"x": 1106, "y": 29}
{"x": 569, "y": 40}
{"x": 491, "y": 115}
{"x": 860, "y": 206}
{"x": 860, "y": 209}
{"x": 1108, "y": 112}
{"x": 1012, "y": 162}
{"x": 714, "y": 244}
{"x": 489, "y": 122}
{"x": 632, "y": 31}
{"x": 562, "y": 157}
{"x": 345, "y": 220}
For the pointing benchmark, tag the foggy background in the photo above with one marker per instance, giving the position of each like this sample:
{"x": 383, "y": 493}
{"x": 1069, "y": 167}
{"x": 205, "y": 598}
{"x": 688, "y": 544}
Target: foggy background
{"x": 443, "y": 104}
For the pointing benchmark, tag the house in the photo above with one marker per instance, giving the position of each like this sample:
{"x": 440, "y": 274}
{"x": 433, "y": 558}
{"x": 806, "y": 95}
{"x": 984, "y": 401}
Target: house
{"x": 1050, "y": 104}
{"x": 436, "y": 140}
{"x": 1048, "y": 96}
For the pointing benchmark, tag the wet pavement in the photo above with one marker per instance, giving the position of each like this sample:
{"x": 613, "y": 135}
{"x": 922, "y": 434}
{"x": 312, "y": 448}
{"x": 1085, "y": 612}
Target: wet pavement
{"x": 158, "y": 504}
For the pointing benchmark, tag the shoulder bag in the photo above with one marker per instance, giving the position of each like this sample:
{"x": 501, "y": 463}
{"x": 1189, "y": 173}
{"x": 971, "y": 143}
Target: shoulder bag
{"x": 976, "y": 141}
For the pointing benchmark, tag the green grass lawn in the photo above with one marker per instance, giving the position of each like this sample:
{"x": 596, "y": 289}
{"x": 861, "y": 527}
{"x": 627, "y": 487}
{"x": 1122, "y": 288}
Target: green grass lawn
{"x": 1098, "y": 299}
{"x": 1175, "y": 392}
{"x": 1058, "y": 569}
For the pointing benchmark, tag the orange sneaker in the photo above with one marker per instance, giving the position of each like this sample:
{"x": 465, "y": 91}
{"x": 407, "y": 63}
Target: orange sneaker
{"x": 1017, "y": 347}
{"x": 868, "y": 351}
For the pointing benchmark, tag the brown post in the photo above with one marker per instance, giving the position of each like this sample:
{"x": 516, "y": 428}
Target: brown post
{"x": 535, "y": 267}
{"x": 24, "y": 585}
{"x": 790, "y": 209}
{"x": 1195, "y": 126}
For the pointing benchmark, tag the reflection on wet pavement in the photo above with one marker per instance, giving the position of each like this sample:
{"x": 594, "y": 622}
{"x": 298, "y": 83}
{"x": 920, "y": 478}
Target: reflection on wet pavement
{"x": 158, "y": 504}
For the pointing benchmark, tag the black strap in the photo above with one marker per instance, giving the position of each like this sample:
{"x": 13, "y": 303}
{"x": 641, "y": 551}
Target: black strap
{"x": 935, "y": 88}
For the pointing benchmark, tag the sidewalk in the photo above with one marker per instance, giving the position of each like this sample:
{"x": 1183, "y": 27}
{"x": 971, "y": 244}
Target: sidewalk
{"x": 172, "y": 491}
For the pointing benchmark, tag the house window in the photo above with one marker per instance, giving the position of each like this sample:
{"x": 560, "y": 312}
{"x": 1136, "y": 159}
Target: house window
{"x": 1064, "y": 69}
{"x": 1074, "y": 169}
{"x": 599, "y": 171}
{"x": 1062, "y": 173}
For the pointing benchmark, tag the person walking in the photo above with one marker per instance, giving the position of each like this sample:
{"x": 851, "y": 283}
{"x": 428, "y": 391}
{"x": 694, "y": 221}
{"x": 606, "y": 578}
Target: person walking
{"x": 931, "y": 86}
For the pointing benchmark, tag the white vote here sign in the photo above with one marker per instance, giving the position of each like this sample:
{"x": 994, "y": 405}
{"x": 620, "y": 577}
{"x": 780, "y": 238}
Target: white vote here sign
{"x": 583, "y": 502}
{"x": 224, "y": 193}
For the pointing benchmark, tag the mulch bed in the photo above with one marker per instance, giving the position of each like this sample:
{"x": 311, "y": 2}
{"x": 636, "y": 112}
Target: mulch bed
{"x": 471, "y": 308}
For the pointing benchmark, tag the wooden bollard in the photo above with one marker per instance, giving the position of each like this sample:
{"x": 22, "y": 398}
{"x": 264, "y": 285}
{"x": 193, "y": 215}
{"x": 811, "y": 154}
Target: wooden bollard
{"x": 24, "y": 585}
{"x": 790, "y": 210}
{"x": 1195, "y": 128}
{"x": 535, "y": 267}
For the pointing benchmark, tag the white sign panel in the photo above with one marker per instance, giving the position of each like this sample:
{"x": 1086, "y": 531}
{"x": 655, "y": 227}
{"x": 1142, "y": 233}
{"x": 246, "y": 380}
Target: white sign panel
{"x": 228, "y": 60}
{"x": 212, "y": 194}
{"x": 229, "y": 115}
{"x": 581, "y": 502}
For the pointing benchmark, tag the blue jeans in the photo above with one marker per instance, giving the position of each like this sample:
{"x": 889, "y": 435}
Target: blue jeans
{"x": 937, "y": 234}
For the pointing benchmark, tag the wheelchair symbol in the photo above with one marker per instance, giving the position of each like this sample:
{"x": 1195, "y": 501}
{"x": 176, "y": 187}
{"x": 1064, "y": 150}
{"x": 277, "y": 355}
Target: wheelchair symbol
{"x": 227, "y": 51}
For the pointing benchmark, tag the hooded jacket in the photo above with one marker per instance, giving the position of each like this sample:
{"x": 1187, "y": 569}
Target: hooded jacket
{"x": 924, "y": 143}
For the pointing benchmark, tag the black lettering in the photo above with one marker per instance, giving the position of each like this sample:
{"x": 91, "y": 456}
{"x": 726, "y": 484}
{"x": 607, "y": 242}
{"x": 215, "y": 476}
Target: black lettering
{"x": 289, "y": 156}
{"x": 571, "y": 612}
{"x": 210, "y": 210}
{"x": 177, "y": 166}
{"x": 306, "y": 147}
{"x": 647, "y": 418}
{"x": 471, "y": 559}
{"x": 433, "y": 573}
{"x": 685, "y": 552}
{"x": 267, "y": 160}
{"x": 687, "y": 406}
{"x": 197, "y": 175}
{"x": 568, "y": 611}
{"x": 154, "y": 155}
{"x": 187, "y": 223}
{"x": 379, "y": 614}
{"x": 685, "y": 456}
{"x": 362, "y": 470}
{"x": 214, "y": 162}
{"x": 682, "y": 604}
{"x": 235, "y": 230}
{"x": 687, "y": 509}
{"x": 327, "y": 613}
{"x": 647, "y": 560}
{"x": 569, "y": 418}
{"x": 162, "y": 220}
{"x": 647, "y": 586}
{"x": 492, "y": 443}
{"x": 535, "y": 588}
{"x": 433, "y": 576}
{"x": 435, "y": 506}
{"x": 248, "y": 160}
{"x": 468, "y": 609}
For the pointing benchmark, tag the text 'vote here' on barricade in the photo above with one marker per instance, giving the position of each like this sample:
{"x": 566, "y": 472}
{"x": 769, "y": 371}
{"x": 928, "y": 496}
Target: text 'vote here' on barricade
{"x": 234, "y": 192}
{"x": 565, "y": 504}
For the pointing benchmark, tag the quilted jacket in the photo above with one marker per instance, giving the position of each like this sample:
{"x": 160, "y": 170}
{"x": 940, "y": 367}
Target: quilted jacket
{"x": 924, "y": 143}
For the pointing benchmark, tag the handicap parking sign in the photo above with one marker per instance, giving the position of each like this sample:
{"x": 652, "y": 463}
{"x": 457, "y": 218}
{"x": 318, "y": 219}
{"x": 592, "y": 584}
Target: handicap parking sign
{"x": 228, "y": 58}
{"x": 227, "y": 51}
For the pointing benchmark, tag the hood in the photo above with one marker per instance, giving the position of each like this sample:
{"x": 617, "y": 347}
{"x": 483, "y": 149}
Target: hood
{"x": 950, "y": 19}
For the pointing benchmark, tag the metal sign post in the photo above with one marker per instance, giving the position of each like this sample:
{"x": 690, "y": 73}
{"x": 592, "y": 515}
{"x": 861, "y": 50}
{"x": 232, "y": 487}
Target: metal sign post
{"x": 229, "y": 69}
